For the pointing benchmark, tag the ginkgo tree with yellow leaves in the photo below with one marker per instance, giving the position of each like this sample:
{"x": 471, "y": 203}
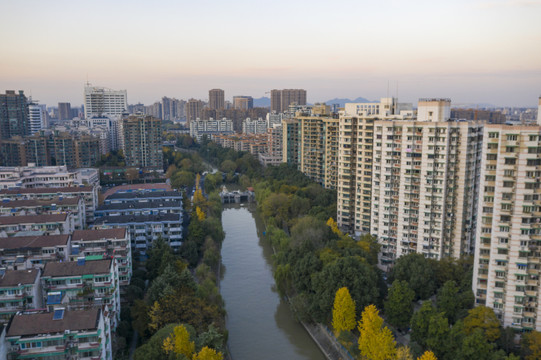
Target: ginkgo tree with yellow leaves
{"x": 376, "y": 342}
{"x": 179, "y": 343}
{"x": 343, "y": 313}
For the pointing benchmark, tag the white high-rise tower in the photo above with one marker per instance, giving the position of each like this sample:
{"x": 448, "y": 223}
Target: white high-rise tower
{"x": 100, "y": 101}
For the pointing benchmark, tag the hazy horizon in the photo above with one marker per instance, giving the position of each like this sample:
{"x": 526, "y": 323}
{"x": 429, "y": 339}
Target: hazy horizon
{"x": 469, "y": 51}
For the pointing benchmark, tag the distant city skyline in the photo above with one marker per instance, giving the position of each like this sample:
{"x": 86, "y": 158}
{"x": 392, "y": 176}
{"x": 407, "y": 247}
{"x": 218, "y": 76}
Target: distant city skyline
{"x": 469, "y": 51}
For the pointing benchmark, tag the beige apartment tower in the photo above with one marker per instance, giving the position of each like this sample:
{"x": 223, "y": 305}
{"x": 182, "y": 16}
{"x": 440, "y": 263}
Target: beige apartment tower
{"x": 281, "y": 99}
{"x": 318, "y": 145}
{"x": 409, "y": 180}
{"x": 354, "y": 180}
{"x": 216, "y": 99}
{"x": 424, "y": 187}
{"x": 507, "y": 261}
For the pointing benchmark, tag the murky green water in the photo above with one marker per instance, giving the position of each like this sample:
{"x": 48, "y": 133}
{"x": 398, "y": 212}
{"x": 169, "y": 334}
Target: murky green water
{"x": 260, "y": 324}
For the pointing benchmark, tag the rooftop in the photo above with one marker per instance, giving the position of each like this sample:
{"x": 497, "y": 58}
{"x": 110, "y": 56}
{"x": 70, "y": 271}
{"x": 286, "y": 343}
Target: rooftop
{"x": 37, "y": 202}
{"x": 16, "y": 277}
{"x": 144, "y": 195}
{"x": 23, "y": 242}
{"x": 72, "y": 268}
{"x": 61, "y": 190}
{"x": 32, "y": 219}
{"x": 138, "y": 187}
{"x": 43, "y": 323}
{"x": 152, "y": 204}
{"x": 98, "y": 234}
{"x": 124, "y": 219}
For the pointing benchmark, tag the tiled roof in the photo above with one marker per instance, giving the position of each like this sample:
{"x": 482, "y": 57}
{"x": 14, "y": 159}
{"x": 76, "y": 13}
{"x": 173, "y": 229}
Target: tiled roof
{"x": 145, "y": 195}
{"x": 38, "y": 202}
{"x": 40, "y": 241}
{"x": 67, "y": 189}
{"x": 32, "y": 219}
{"x": 98, "y": 234}
{"x": 16, "y": 277}
{"x": 72, "y": 268}
{"x": 136, "y": 187}
{"x": 152, "y": 204}
{"x": 43, "y": 323}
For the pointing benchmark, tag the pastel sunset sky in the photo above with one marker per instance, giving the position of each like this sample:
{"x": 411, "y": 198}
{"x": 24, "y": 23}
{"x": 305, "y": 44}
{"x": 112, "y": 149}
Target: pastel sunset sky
{"x": 470, "y": 51}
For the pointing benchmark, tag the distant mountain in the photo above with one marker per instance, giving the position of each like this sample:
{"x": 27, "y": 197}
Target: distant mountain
{"x": 262, "y": 102}
{"x": 341, "y": 102}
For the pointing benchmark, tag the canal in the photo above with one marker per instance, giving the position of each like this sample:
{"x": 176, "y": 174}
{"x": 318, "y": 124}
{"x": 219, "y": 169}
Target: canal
{"x": 261, "y": 325}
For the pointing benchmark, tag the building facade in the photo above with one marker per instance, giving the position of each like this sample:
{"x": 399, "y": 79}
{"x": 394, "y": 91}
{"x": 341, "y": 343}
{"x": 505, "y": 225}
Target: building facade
{"x": 281, "y": 99}
{"x": 100, "y": 101}
{"x": 508, "y": 250}
{"x": 14, "y": 116}
{"x": 142, "y": 142}
{"x": 60, "y": 334}
{"x": 216, "y": 99}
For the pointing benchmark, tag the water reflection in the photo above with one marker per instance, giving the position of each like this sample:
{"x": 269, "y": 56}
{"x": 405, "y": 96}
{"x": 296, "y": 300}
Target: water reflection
{"x": 260, "y": 324}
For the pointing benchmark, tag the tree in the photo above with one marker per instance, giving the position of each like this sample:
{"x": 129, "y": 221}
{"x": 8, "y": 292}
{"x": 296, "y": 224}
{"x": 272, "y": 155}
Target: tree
{"x": 343, "y": 313}
{"x": 484, "y": 318}
{"x": 531, "y": 345}
{"x": 153, "y": 348}
{"x": 417, "y": 271}
{"x": 399, "y": 305}
{"x": 200, "y": 213}
{"x": 428, "y": 355}
{"x": 476, "y": 347}
{"x": 228, "y": 166}
{"x": 207, "y": 353}
{"x": 351, "y": 271}
{"x": 448, "y": 300}
{"x": 179, "y": 342}
{"x": 438, "y": 331}
{"x": 375, "y": 341}
{"x": 403, "y": 353}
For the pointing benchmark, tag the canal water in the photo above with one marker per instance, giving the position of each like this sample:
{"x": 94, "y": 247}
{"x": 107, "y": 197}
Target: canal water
{"x": 261, "y": 325}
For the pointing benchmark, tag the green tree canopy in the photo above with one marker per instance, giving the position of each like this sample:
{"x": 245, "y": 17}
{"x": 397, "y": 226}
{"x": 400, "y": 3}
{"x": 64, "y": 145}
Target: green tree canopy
{"x": 399, "y": 304}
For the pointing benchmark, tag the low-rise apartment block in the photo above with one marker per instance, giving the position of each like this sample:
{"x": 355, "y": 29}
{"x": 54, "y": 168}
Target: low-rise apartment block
{"x": 88, "y": 193}
{"x": 74, "y": 206}
{"x": 103, "y": 244}
{"x": 19, "y": 290}
{"x": 61, "y": 334}
{"x": 145, "y": 229}
{"x": 45, "y": 224}
{"x": 83, "y": 284}
{"x": 28, "y": 252}
{"x": 46, "y": 177}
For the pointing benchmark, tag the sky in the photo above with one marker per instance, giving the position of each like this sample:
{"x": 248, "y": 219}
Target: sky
{"x": 471, "y": 51}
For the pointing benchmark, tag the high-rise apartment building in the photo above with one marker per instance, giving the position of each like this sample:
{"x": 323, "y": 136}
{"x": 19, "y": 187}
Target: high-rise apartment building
{"x": 243, "y": 102}
{"x": 356, "y": 137}
{"x": 411, "y": 182}
{"x": 281, "y": 99}
{"x": 216, "y": 99}
{"x": 64, "y": 111}
{"x": 14, "y": 119}
{"x": 507, "y": 265}
{"x": 100, "y": 101}
{"x": 425, "y": 185}
{"x": 193, "y": 110}
{"x": 318, "y": 145}
{"x": 36, "y": 117}
{"x": 142, "y": 142}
